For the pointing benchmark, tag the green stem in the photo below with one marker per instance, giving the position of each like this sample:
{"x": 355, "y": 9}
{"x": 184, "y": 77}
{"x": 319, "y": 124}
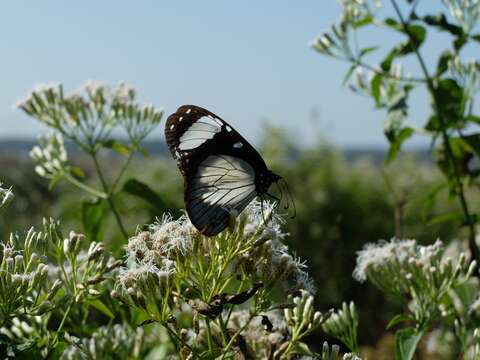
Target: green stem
{"x": 234, "y": 337}
{"x": 178, "y": 338}
{"x": 109, "y": 195}
{"x": 123, "y": 169}
{"x": 209, "y": 336}
{"x": 446, "y": 140}
{"x": 85, "y": 187}
{"x": 358, "y": 62}
{"x": 62, "y": 323}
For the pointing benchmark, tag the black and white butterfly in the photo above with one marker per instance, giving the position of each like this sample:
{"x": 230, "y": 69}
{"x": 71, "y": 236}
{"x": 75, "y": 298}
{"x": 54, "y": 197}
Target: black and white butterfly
{"x": 222, "y": 171}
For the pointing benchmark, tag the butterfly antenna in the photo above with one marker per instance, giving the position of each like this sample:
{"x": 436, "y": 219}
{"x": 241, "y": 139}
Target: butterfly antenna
{"x": 277, "y": 200}
{"x": 289, "y": 195}
{"x": 281, "y": 194}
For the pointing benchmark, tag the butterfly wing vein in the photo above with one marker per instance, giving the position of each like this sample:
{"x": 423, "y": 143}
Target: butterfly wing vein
{"x": 222, "y": 184}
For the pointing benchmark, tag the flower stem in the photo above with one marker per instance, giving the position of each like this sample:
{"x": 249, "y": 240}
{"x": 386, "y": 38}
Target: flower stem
{"x": 85, "y": 187}
{"x": 123, "y": 169}
{"x": 62, "y": 323}
{"x": 109, "y": 195}
{"x": 209, "y": 336}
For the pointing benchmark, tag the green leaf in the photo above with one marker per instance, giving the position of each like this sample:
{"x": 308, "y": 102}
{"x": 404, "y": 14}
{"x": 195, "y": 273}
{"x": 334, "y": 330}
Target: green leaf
{"x": 99, "y": 305}
{"x": 143, "y": 191}
{"x": 57, "y": 351}
{"x": 416, "y": 36}
{"x": 92, "y": 218}
{"x": 396, "y": 144}
{"x": 348, "y": 75}
{"x": 394, "y": 24}
{"x": 473, "y": 118}
{"x": 443, "y": 61}
{"x": 467, "y": 293}
{"x": 462, "y": 153}
{"x": 440, "y": 21}
{"x": 450, "y": 99}
{"x": 53, "y": 181}
{"x": 302, "y": 349}
{"x": 144, "y": 151}
{"x": 77, "y": 172}
{"x": 375, "y": 88}
{"x": 397, "y": 319}
{"x": 117, "y": 146}
{"x": 367, "y": 50}
{"x": 386, "y": 63}
{"x": 406, "y": 341}
{"x": 476, "y": 37}
{"x": 460, "y": 42}
{"x": 367, "y": 20}
{"x": 159, "y": 352}
{"x": 473, "y": 141}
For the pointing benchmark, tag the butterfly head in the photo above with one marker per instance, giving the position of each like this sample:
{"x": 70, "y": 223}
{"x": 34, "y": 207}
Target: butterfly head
{"x": 264, "y": 180}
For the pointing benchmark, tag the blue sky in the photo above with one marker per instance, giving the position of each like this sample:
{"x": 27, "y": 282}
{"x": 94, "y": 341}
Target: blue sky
{"x": 247, "y": 61}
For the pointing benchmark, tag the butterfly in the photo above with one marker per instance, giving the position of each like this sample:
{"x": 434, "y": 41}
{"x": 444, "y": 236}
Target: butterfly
{"x": 222, "y": 172}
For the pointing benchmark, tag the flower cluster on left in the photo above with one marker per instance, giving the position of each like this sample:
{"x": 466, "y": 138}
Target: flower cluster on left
{"x": 47, "y": 277}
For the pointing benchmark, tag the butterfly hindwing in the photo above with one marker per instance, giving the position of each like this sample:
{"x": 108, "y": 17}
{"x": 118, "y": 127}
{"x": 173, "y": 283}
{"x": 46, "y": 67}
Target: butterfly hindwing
{"x": 221, "y": 184}
{"x": 220, "y": 168}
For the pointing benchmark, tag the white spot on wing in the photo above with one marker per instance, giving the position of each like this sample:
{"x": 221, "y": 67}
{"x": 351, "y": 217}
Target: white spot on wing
{"x": 200, "y": 131}
{"x": 229, "y": 128}
{"x": 237, "y": 145}
{"x": 188, "y": 111}
{"x": 172, "y": 126}
{"x": 180, "y": 118}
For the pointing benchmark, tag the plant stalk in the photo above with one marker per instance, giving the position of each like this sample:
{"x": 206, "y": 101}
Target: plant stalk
{"x": 109, "y": 195}
{"x": 475, "y": 252}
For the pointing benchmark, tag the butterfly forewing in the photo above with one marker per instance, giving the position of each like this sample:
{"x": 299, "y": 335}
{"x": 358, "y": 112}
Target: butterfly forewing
{"x": 221, "y": 169}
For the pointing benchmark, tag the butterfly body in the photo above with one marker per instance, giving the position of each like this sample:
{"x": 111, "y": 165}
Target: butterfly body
{"x": 221, "y": 170}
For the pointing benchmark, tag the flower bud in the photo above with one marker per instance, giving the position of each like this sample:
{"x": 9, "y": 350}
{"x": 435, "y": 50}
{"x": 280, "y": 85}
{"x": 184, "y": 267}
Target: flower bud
{"x": 95, "y": 280}
{"x": 131, "y": 291}
{"x": 95, "y": 250}
{"x": 18, "y": 263}
{"x": 93, "y": 292}
{"x": 80, "y": 286}
{"x": 44, "y": 307}
{"x": 55, "y": 287}
{"x": 308, "y": 309}
{"x": 114, "y": 265}
{"x": 114, "y": 295}
{"x": 79, "y": 297}
{"x": 10, "y": 264}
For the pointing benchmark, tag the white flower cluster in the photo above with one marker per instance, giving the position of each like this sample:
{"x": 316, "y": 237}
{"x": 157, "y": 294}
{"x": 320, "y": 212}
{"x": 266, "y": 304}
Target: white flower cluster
{"x": 466, "y": 12}
{"x": 343, "y": 324}
{"x": 262, "y": 332}
{"x": 23, "y": 273}
{"x": 270, "y": 258}
{"x": 117, "y": 341}
{"x": 404, "y": 269}
{"x": 50, "y": 156}
{"x": 466, "y": 74}
{"x": 89, "y": 115}
{"x": 354, "y": 10}
{"x": 157, "y": 250}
